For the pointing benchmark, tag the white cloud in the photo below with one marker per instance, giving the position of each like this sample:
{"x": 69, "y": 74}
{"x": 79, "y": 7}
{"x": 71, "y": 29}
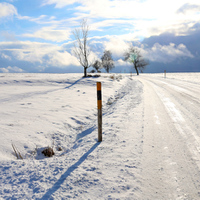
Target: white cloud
{"x": 50, "y": 33}
{"x": 30, "y": 51}
{"x": 189, "y": 8}
{"x": 42, "y": 19}
{"x": 149, "y": 17}
{"x": 117, "y": 46}
{"x": 10, "y": 69}
{"x": 121, "y": 62}
{"x": 61, "y": 59}
{"x": 9, "y": 36}
{"x": 59, "y": 3}
{"x": 93, "y": 56}
{"x": 5, "y": 56}
{"x": 166, "y": 53}
{"x": 134, "y": 19}
{"x": 44, "y": 54}
{"x": 105, "y": 23}
{"x": 4, "y": 70}
{"x": 7, "y": 10}
{"x": 148, "y": 9}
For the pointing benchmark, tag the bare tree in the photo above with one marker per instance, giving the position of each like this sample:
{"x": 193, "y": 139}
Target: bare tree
{"x": 81, "y": 47}
{"x": 134, "y": 56}
{"x": 107, "y": 61}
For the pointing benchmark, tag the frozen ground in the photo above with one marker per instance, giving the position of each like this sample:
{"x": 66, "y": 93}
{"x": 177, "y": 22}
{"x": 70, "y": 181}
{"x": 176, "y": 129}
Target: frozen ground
{"x": 151, "y": 141}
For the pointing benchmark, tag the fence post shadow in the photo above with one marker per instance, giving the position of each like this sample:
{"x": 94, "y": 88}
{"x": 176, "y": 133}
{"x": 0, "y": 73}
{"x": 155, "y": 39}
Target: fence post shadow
{"x": 64, "y": 176}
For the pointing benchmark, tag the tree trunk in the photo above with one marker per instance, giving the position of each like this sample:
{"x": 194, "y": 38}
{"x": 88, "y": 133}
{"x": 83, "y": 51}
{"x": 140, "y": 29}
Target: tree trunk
{"x": 85, "y": 71}
{"x": 137, "y": 70}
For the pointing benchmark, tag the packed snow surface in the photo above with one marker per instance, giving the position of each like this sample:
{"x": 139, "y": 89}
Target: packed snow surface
{"x": 151, "y": 137}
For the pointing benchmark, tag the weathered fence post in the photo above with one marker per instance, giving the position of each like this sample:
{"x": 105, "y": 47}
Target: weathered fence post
{"x": 99, "y": 106}
{"x": 165, "y": 73}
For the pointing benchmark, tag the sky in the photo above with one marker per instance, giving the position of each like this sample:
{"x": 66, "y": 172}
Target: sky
{"x": 37, "y": 35}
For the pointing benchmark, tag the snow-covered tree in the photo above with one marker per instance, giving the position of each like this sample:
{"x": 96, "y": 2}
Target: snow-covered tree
{"x": 97, "y": 65}
{"x": 107, "y": 61}
{"x": 81, "y": 48}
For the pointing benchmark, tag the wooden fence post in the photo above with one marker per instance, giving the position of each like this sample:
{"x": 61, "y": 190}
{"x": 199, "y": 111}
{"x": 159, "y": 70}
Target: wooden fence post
{"x": 99, "y": 106}
{"x": 165, "y": 73}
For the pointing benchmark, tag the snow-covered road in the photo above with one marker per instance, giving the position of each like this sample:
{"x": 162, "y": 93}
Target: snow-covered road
{"x": 171, "y": 149}
{"x": 151, "y": 137}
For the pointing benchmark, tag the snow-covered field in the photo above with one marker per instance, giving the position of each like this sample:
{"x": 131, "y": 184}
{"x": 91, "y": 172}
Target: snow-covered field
{"x": 151, "y": 137}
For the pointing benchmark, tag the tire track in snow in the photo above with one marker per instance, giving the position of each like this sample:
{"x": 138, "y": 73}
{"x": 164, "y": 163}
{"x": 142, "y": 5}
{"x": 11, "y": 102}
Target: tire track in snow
{"x": 170, "y": 153}
{"x": 181, "y": 123}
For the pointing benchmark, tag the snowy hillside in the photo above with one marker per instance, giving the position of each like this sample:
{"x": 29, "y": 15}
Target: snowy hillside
{"x": 151, "y": 140}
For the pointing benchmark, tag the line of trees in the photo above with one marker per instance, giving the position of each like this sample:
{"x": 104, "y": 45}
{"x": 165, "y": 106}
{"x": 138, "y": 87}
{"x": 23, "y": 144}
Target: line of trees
{"x": 106, "y": 62}
{"x": 82, "y": 52}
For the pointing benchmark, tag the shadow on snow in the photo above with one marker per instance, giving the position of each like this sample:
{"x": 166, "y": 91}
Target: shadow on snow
{"x": 86, "y": 132}
{"x": 72, "y": 84}
{"x": 61, "y": 180}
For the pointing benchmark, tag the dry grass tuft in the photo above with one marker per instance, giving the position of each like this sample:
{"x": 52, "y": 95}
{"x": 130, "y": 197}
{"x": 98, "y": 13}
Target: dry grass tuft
{"x": 16, "y": 152}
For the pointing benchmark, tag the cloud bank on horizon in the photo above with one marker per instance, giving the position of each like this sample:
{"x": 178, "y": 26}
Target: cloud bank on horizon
{"x": 36, "y": 36}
